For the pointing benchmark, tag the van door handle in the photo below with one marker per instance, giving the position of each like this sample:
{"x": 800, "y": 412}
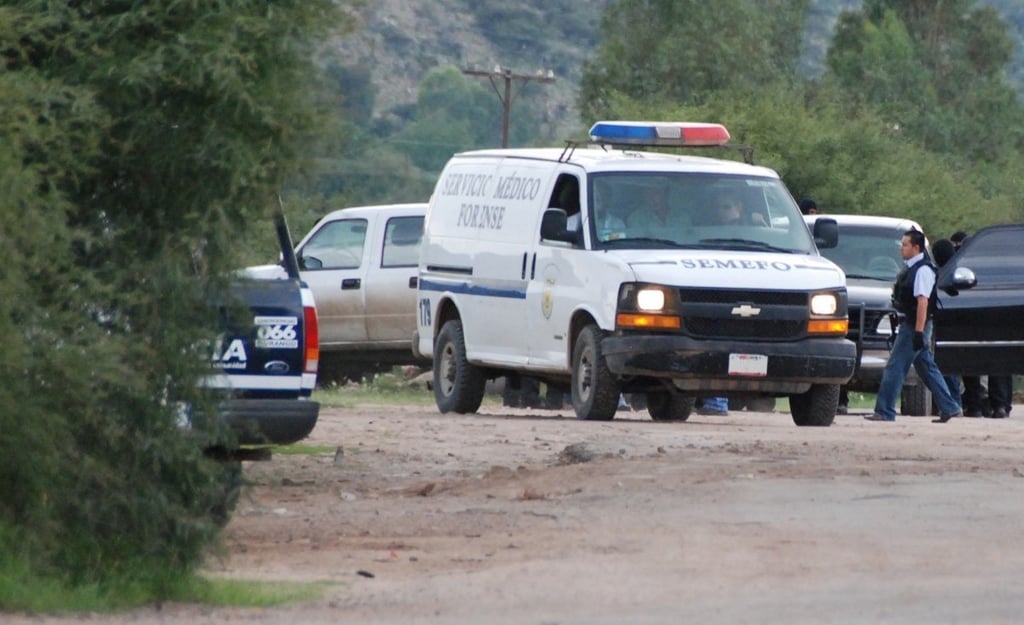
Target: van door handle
{"x": 533, "y": 266}
{"x": 522, "y": 274}
{"x": 412, "y": 282}
{"x": 350, "y": 283}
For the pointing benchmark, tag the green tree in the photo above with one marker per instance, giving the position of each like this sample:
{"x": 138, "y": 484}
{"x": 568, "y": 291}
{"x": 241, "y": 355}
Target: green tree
{"x": 138, "y": 139}
{"x": 858, "y": 166}
{"x": 934, "y": 70}
{"x": 683, "y": 50}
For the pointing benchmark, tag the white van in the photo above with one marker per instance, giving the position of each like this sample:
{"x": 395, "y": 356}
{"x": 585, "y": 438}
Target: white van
{"x": 610, "y": 270}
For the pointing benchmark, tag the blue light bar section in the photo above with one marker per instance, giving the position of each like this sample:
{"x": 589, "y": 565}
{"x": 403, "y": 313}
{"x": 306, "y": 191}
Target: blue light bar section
{"x": 622, "y": 131}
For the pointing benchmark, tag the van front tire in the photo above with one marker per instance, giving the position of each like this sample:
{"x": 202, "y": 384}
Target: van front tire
{"x": 816, "y": 407}
{"x": 595, "y": 390}
{"x": 458, "y": 384}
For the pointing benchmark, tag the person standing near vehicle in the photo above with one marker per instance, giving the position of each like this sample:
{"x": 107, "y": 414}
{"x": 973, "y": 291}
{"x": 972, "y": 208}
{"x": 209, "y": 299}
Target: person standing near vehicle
{"x": 914, "y": 298}
{"x": 808, "y": 206}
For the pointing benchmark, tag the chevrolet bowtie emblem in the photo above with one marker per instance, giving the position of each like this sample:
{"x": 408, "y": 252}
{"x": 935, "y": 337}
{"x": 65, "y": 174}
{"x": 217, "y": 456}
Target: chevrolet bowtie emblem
{"x": 746, "y": 310}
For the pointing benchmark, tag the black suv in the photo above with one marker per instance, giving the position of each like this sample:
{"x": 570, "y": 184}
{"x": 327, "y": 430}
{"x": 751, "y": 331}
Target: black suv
{"x": 979, "y": 325}
{"x": 869, "y": 253}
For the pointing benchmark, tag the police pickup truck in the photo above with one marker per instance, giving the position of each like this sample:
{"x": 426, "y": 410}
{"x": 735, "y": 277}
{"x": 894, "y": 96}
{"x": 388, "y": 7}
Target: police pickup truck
{"x": 265, "y": 362}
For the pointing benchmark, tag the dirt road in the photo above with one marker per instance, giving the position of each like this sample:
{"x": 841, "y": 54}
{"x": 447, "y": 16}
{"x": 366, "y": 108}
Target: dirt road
{"x": 527, "y": 517}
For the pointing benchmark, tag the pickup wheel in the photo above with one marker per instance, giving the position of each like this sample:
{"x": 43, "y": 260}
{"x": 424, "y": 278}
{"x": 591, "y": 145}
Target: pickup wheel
{"x": 916, "y": 400}
{"x": 669, "y": 405}
{"x": 816, "y": 407}
{"x": 595, "y": 391}
{"x": 458, "y": 384}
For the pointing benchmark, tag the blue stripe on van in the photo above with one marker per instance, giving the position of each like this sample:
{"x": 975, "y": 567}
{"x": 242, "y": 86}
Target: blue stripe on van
{"x": 471, "y": 289}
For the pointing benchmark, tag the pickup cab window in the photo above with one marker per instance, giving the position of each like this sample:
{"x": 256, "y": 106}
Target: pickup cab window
{"x": 402, "y": 242}
{"x": 338, "y": 245}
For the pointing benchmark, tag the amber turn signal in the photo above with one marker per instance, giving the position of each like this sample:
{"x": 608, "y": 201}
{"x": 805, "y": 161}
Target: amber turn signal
{"x": 828, "y": 326}
{"x": 658, "y": 322}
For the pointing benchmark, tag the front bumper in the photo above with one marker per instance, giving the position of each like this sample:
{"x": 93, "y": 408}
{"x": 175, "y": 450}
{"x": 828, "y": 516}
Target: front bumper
{"x": 270, "y": 421}
{"x": 703, "y": 365}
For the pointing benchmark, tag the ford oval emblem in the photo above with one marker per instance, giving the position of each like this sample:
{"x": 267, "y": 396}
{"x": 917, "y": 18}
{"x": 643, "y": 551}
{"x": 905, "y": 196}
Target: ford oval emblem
{"x": 276, "y": 366}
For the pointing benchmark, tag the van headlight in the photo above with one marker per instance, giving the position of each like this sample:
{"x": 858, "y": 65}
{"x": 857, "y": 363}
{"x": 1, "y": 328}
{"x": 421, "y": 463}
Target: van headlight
{"x": 647, "y": 307}
{"x": 650, "y": 300}
{"x": 824, "y": 304}
{"x": 828, "y": 314}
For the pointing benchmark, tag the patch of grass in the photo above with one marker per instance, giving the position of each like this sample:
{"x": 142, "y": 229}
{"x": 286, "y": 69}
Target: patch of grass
{"x": 247, "y": 593}
{"x": 384, "y": 388}
{"x": 304, "y": 450}
{"x": 21, "y": 591}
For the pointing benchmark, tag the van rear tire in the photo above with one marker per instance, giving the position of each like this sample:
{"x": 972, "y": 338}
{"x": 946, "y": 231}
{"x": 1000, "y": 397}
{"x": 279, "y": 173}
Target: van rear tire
{"x": 458, "y": 384}
{"x": 595, "y": 390}
{"x": 669, "y": 405}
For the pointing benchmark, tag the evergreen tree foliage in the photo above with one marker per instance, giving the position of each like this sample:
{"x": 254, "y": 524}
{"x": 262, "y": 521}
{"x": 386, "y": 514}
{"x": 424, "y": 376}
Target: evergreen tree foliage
{"x": 137, "y": 141}
{"x": 937, "y": 71}
{"x": 675, "y": 51}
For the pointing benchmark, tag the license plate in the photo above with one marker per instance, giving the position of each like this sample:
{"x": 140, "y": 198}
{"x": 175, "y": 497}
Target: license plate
{"x": 755, "y": 365}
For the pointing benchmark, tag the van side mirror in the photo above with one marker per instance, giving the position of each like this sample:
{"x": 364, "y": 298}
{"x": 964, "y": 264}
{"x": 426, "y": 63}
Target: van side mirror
{"x": 554, "y": 227}
{"x": 826, "y": 233}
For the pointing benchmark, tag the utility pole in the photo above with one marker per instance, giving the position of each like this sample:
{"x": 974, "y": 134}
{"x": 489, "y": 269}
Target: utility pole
{"x": 507, "y": 75}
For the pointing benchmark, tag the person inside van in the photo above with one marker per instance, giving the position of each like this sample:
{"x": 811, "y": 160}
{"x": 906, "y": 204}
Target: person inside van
{"x": 609, "y": 224}
{"x": 730, "y": 211}
{"x": 653, "y": 216}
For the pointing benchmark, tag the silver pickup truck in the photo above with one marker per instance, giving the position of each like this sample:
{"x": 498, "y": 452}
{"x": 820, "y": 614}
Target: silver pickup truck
{"x": 361, "y": 264}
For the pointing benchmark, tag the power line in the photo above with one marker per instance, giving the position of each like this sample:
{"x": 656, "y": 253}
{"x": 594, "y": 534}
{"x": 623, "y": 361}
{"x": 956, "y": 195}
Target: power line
{"x": 507, "y": 76}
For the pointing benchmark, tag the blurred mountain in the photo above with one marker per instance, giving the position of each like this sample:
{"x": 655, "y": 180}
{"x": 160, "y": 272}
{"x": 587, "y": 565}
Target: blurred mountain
{"x": 398, "y": 42}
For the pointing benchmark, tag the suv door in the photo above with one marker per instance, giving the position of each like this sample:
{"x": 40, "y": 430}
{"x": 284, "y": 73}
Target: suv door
{"x": 978, "y": 328}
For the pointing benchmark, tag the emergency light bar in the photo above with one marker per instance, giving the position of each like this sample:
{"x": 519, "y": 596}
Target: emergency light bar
{"x": 673, "y": 134}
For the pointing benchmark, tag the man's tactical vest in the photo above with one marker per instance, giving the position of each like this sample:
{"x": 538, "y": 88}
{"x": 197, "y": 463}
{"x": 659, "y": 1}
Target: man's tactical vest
{"x": 903, "y": 298}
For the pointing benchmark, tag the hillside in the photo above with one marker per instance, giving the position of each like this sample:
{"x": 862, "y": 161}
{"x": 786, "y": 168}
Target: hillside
{"x": 401, "y": 41}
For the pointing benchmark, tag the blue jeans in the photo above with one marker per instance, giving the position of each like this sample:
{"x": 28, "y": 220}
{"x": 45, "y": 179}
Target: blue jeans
{"x": 900, "y": 359}
{"x": 953, "y": 384}
{"x": 716, "y": 403}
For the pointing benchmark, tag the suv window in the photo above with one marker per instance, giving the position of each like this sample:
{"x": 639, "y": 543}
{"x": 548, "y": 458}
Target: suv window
{"x": 994, "y": 257}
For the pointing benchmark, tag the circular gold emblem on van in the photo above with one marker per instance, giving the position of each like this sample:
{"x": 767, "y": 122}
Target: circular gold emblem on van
{"x": 546, "y": 302}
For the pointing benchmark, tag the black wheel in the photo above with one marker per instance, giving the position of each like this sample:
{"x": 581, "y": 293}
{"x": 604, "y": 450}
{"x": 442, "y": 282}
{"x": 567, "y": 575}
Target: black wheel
{"x": 458, "y": 385}
{"x": 595, "y": 391}
{"x": 816, "y": 407}
{"x": 669, "y": 405}
{"x": 916, "y": 401}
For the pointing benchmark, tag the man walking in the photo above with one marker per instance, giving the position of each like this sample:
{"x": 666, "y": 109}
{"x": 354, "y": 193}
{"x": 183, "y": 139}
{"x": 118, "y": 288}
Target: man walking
{"x": 913, "y": 296}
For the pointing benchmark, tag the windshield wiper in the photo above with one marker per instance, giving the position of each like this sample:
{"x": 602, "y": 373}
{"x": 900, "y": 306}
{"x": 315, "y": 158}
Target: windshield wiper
{"x": 761, "y": 245}
{"x": 857, "y": 276}
{"x": 648, "y": 240}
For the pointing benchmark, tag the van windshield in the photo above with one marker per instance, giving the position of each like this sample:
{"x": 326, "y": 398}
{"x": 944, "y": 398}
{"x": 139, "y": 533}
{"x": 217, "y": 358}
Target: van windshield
{"x": 629, "y": 210}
